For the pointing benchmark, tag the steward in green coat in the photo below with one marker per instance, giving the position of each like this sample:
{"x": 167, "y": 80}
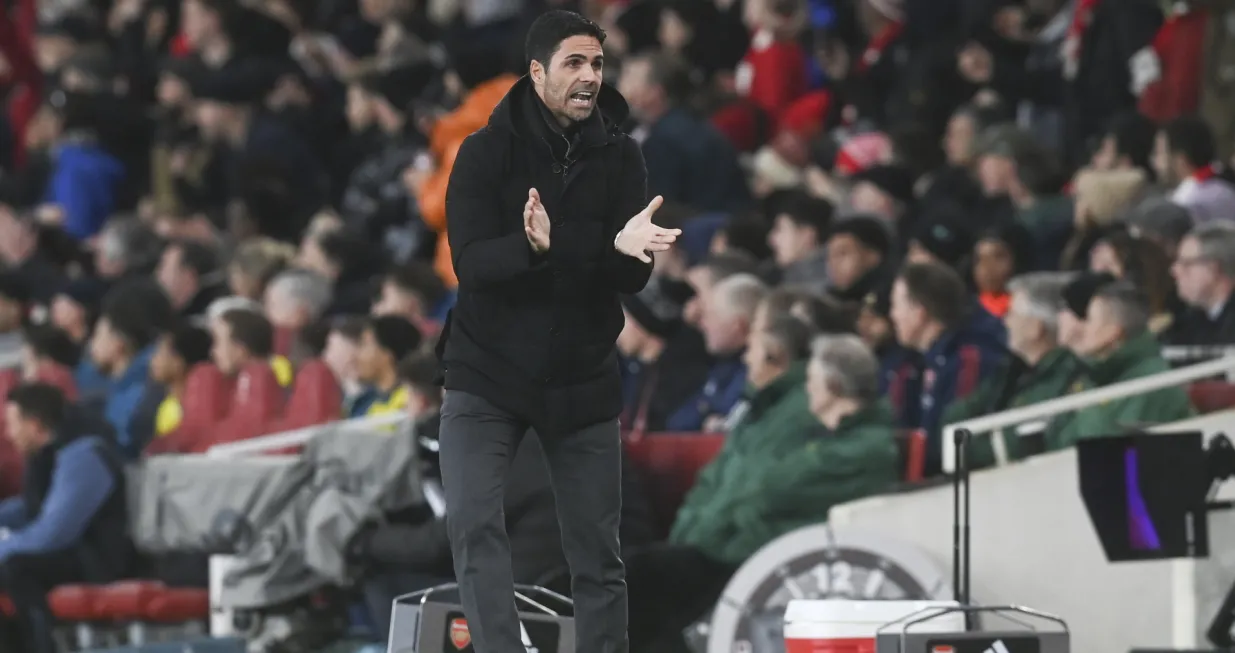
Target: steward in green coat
{"x": 1138, "y": 357}
{"x": 1015, "y": 385}
{"x": 780, "y": 470}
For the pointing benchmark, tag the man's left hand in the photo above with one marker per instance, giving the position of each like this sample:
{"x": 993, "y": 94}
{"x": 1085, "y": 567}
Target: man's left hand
{"x": 640, "y": 236}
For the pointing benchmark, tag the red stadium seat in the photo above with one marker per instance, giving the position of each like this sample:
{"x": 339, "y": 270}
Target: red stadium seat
{"x": 126, "y": 601}
{"x": 59, "y": 376}
{"x": 912, "y": 448}
{"x": 669, "y": 463}
{"x": 172, "y": 605}
{"x": 76, "y": 603}
{"x": 1212, "y": 396}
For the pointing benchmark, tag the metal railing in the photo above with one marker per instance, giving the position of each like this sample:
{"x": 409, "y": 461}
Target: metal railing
{"x": 1069, "y": 403}
{"x": 299, "y": 437}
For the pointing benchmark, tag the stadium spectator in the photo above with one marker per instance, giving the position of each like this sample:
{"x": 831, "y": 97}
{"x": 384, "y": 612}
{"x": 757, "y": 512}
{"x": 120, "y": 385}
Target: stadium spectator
{"x": 126, "y": 248}
{"x": 1143, "y": 263}
{"x": 762, "y": 487}
{"x": 75, "y": 306}
{"x": 825, "y": 315}
{"x": 255, "y": 263}
{"x": 1117, "y": 346}
{"x": 1204, "y": 275}
{"x": 120, "y": 352}
{"x": 385, "y": 341}
{"x": 1040, "y": 369}
{"x": 775, "y": 373}
{"x": 688, "y": 160}
{"x": 45, "y": 345}
{"x": 1185, "y": 159}
{"x": 1127, "y": 145}
{"x": 14, "y": 303}
{"x": 1102, "y": 200}
{"x": 70, "y": 523}
{"x": 663, "y": 361}
{"x": 728, "y": 312}
{"x": 1076, "y": 296}
{"x": 414, "y": 292}
{"x": 189, "y": 273}
{"x": 1161, "y": 222}
{"x": 1001, "y": 253}
{"x": 177, "y": 353}
{"x": 340, "y": 355}
{"x": 797, "y": 241}
{"x": 704, "y": 276}
{"x": 943, "y": 352}
{"x": 857, "y": 251}
{"x": 240, "y": 338}
{"x": 1014, "y": 167}
{"x": 296, "y": 298}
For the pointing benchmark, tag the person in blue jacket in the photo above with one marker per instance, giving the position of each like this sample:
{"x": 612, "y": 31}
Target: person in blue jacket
{"x": 943, "y": 354}
{"x": 85, "y": 177}
{"x": 121, "y": 348}
{"x": 69, "y": 524}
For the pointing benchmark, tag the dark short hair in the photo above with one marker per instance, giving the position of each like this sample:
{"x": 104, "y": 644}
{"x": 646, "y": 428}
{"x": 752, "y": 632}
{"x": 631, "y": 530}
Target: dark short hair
{"x": 191, "y": 343}
{"x": 825, "y": 314}
{"x": 939, "y": 290}
{"x": 40, "y": 401}
{"x": 52, "y": 343}
{"x": 792, "y": 338}
{"x": 250, "y": 330}
{"x": 1191, "y": 137}
{"x": 806, "y": 210}
{"x": 198, "y": 257}
{"x": 419, "y": 370}
{"x": 546, "y": 34}
{"x": 351, "y": 327}
{"x": 1133, "y": 135}
{"x": 669, "y": 73}
{"x": 395, "y": 335}
{"x": 140, "y": 310}
{"x": 723, "y": 266}
{"x": 418, "y": 278}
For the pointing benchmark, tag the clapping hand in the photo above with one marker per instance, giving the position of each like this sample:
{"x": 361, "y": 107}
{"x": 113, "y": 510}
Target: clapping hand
{"x": 536, "y": 222}
{"x": 640, "y": 236}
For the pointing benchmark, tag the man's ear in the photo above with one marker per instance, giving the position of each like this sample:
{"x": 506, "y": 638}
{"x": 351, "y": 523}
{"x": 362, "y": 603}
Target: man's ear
{"x": 537, "y": 71}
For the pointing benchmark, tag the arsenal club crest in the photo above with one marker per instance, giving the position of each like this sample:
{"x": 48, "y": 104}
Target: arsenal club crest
{"x": 460, "y": 636}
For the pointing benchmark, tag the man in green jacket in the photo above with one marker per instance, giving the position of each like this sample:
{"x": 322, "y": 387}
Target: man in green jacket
{"x": 788, "y": 462}
{"x": 1119, "y": 347}
{"x": 1040, "y": 371}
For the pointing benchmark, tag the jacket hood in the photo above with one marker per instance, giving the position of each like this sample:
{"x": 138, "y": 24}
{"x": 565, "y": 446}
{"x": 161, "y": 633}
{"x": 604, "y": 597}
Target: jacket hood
{"x": 610, "y": 113}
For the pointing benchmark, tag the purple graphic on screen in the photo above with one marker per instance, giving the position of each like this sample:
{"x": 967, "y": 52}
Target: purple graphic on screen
{"x": 1141, "y": 532}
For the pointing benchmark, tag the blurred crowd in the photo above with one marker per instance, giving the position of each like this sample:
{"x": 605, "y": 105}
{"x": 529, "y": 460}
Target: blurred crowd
{"x": 978, "y": 204}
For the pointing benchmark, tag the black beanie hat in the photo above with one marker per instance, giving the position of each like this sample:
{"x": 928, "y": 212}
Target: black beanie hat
{"x": 395, "y": 335}
{"x": 1076, "y": 295}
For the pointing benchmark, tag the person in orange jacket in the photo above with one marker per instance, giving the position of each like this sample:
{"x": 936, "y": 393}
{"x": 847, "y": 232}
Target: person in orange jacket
{"x": 447, "y": 133}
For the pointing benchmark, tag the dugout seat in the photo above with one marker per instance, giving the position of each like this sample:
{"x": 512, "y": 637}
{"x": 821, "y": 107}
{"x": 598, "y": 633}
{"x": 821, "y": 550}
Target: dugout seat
{"x": 1212, "y": 396}
{"x": 669, "y": 463}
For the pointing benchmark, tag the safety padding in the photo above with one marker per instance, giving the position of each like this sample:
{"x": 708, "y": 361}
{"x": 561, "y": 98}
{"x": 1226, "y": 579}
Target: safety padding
{"x": 173, "y": 605}
{"x": 75, "y": 603}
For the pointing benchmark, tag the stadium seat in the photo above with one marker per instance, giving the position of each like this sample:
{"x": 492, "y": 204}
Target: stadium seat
{"x": 1212, "y": 396}
{"x": 173, "y": 605}
{"x": 59, "y": 376}
{"x": 911, "y": 445}
{"x": 669, "y": 463}
{"x": 76, "y": 603}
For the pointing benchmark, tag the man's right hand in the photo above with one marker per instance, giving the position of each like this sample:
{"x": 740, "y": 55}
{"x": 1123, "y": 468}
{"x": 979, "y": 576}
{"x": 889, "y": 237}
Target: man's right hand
{"x": 536, "y": 223}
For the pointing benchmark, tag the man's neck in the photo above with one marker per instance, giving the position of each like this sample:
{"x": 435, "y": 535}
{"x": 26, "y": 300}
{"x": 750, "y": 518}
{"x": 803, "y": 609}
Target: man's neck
{"x": 930, "y": 335}
{"x": 839, "y": 409}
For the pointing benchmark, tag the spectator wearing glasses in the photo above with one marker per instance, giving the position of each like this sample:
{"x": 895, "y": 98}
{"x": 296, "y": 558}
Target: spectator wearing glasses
{"x": 1204, "y": 275}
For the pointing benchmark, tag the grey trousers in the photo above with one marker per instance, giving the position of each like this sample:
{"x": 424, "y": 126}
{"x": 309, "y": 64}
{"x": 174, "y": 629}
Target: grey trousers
{"x": 477, "y": 442}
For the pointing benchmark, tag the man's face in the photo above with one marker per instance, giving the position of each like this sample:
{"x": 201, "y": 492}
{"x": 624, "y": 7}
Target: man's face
{"x": 848, "y": 261}
{"x": 633, "y": 85}
{"x": 907, "y": 316}
{"x": 50, "y": 52}
{"x": 1107, "y": 156}
{"x": 1024, "y": 330}
{"x": 958, "y": 140}
{"x": 1104, "y": 258}
{"x": 369, "y": 358}
{"x": 996, "y": 174}
{"x": 283, "y": 311}
{"x": 571, "y": 82}
{"x": 724, "y": 332}
{"x": 791, "y": 242}
{"x": 106, "y": 346}
{"x": 68, "y": 315}
{"x": 761, "y": 368}
{"x": 1102, "y": 333}
{"x": 340, "y": 356}
{"x": 992, "y": 266}
{"x": 227, "y": 355}
{"x": 10, "y": 314}
{"x": 1195, "y": 277}
{"x": 1161, "y": 160}
{"x": 701, "y": 281}
{"x": 26, "y": 434}
{"x": 212, "y": 119}
{"x": 177, "y": 281}
{"x": 172, "y": 91}
{"x": 166, "y": 366}
{"x": 199, "y": 23}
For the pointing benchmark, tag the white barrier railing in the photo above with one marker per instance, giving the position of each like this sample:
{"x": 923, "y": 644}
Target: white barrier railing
{"x": 298, "y": 437}
{"x": 1069, "y": 403}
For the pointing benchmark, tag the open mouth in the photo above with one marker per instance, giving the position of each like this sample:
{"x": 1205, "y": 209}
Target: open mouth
{"x": 582, "y": 98}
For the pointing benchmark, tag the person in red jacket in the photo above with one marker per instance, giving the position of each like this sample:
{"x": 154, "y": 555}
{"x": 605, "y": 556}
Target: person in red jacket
{"x": 773, "y": 73}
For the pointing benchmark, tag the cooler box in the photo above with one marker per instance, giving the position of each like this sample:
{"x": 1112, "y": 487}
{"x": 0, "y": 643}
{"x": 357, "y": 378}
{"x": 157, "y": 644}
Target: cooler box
{"x": 845, "y": 626}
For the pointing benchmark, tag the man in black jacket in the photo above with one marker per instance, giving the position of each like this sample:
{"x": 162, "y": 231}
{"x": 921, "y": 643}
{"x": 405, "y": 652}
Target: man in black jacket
{"x": 530, "y": 342}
